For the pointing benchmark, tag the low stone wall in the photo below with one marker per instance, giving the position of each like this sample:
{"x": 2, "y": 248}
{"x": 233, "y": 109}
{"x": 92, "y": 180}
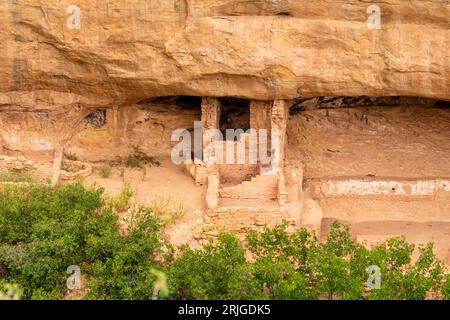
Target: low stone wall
{"x": 42, "y": 172}
{"x": 198, "y": 172}
{"x": 78, "y": 170}
{"x": 21, "y": 164}
{"x": 375, "y": 187}
{"x": 242, "y": 219}
{"x": 16, "y": 163}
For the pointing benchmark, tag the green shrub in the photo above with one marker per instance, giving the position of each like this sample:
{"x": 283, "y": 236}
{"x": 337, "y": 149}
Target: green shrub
{"x": 295, "y": 265}
{"x": 138, "y": 159}
{"x": 121, "y": 202}
{"x": 446, "y": 288}
{"x": 105, "y": 171}
{"x": 42, "y": 232}
{"x": 333, "y": 264}
{"x": 121, "y": 265}
{"x": 403, "y": 280}
{"x": 282, "y": 262}
{"x": 71, "y": 156}
{"x": 207, "y": 273}
{"x": 10, "y": 291}
{"x": 296, "y": 247}
{"x": 133, "y": 162}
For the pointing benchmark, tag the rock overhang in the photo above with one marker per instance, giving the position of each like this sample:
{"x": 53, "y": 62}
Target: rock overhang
{"x": 124, "y": 52}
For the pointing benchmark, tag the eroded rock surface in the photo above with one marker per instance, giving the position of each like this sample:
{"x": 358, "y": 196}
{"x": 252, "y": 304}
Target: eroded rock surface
{"x": 126, "y": 51}
{"x": 122, "y": 52}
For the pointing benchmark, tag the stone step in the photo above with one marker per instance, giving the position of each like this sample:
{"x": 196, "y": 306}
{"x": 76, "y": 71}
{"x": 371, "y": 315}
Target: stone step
{"x": 259, "y": 187}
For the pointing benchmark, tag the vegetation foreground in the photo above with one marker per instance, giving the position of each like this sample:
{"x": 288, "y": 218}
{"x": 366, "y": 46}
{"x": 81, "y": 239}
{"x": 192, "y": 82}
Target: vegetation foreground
{"x": 44, "y": 230}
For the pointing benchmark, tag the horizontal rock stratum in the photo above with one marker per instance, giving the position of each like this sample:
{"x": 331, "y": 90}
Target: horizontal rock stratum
{"x": 120, "y": 52}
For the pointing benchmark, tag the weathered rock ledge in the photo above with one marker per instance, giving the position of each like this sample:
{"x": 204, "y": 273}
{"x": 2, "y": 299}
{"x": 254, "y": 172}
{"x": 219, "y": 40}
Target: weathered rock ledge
{"x": 126, "y": 51}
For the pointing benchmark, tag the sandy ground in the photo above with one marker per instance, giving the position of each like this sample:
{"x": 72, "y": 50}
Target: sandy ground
{"x": 165, "y": 184}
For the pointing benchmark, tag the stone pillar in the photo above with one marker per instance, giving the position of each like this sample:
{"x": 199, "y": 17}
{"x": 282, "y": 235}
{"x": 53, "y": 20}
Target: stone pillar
{"x": 212, "y": 193}
{"x": 279, "y": 118}
{"x": 211, "y": 111}
{"x": 115, "y": 117}
{"x": 278, "y": 125}
{"x": 57, "y": 161}
{"x": 260, "y": 112}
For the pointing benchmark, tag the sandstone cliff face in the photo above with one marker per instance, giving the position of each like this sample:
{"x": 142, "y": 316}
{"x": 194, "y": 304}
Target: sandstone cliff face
{"x": 126, "y": 51}
{"x": 122, "y": 52}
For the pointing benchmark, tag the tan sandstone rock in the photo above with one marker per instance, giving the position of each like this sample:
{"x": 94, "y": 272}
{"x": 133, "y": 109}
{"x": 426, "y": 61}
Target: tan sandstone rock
{"x": 312, "y": 215}
{"x": 126, "y": 51}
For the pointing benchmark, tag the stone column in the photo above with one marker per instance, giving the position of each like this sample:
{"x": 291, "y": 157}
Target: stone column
{"x": 279, "y": 118}
{"x": 115, "y": 117}
{"x": 57, "y": 161}
{"x": 212, "y": 193}
{"x": 211, "y": 111}
{"x": 260, "y": 114}
{"x": 278, "y": 124}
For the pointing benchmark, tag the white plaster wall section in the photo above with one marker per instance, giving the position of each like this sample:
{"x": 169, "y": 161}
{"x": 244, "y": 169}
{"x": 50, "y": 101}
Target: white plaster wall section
{"x": 444, "y": 185}
{"x": 383, "y": 187}
{"x": 358, "y": 187}
{"x": 424, "y": 188}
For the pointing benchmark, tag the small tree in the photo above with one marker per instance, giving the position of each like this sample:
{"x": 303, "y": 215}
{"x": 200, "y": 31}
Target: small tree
{"x": 332, "y": 265}
{"x": 206, "y": 273}
{"x": 283, "y": 262}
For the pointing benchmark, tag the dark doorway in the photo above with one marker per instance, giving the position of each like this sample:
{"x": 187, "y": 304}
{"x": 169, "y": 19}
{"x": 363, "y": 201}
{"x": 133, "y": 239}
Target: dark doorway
{"x": 235, "y": 114}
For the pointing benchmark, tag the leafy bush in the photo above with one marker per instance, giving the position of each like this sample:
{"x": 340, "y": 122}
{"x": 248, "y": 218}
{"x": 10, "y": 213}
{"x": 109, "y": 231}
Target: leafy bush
{"x": 282, "y": 262}
{"x": 333, "y": 266}
{"x": 121, "y": 265}
{"x": 121, "y": 202}
{"x": 446, "y": 288}
{"x": 403, "y": 280}
{"x": 10, "y": 291}
{"x": 105, "y": 171}
{"x": 296, "y": 265}
{"x": 138, "y": 159}
{"x": 207, "y": 273}
{"x": 44, "y": 230}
